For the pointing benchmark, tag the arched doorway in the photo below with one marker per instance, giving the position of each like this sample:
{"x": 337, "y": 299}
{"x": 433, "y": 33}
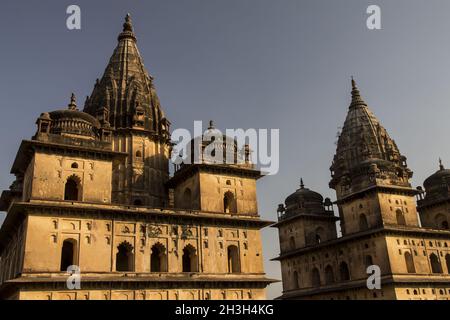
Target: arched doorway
{"x": 292, "y": 242}
{"x": 295, "y": 280}
{"x": 435, "y": 264}
{"x": 344, "y": 271}
{"x": 315, "y": 277}
{"x": 447, "y": 262}
{"x": 234, "y": 265}
{"x": 189, "y": 259}
{"x": 400, "y": 217}
{"x": 158, "y": 258}
{"x": 125, "y": 257}
{"x": 72, "y": 189}
{"x": 410, "y": 268}
{"x": 329, "y": 275}
{"x": 229, "y": 202}
{"x": 187, "y": 199}
{"x": 318, "y": 236}
{"x": 363, "y": 224}
{"x": 368, "y": 261}
{"x": 68, "y": 254}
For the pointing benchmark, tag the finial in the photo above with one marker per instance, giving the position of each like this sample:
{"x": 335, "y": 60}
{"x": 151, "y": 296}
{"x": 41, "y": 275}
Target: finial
{"x": 127, "y": 26}
{"x": 302, "y": 185}
{"x": 441, "y": 166}
{"x": 356, "y": 96}
{"x": 127, "y": 32}
{"x": 73, "y": 103}
{"x": 211, "y": 125}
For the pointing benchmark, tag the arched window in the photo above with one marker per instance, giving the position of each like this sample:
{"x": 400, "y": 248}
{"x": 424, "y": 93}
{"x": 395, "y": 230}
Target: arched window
{"x": 368, "y": 261}
{"x": 229, "y": 202}
{"x": 74, "y": 165}
{"x": 329, "y": 275}
{"x": 158, "y": 258}
{"x": 344, "y": 272}
{"x": 125, "y": 257}
{"x": 315, "y": 277}
{"x": 72, "y": 188}
{"x": 68, "y": 254}
{"x": 189, "y": 259}
{"x": 435, "y": 264}
{"x": 318, "y": 239}
{"x": 410, "y": 268}
{"x": 292, "y": 242}
{"x": 138, "y": 154}
{"x": 447, "y": 262}
{"x": 400, "y": 217}
{"x": 295, "y": 280}
{"x": 318, "y": 236}
{"x": 187, "y": 199}
{"x": 233, "y": 259}
{"x": 363, "y": 224}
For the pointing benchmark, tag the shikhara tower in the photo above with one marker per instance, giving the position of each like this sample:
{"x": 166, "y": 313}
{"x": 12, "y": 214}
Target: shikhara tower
{"x": 92, "y": 189}
{"x": 378, "y": 219}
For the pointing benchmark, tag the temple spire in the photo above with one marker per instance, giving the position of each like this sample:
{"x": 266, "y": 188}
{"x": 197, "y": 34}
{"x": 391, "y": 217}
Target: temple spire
{"x": 357, "y": 100}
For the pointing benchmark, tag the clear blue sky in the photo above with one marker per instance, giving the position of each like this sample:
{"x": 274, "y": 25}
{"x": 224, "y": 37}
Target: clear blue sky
{"x": 245, "y": 63}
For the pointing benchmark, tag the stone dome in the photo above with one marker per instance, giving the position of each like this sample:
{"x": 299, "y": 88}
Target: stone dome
{"x": 215, "y": 140}
{"x": 304, "y": 200}
{"x": 73, "y": 122}
{"x": 438, "y": 183}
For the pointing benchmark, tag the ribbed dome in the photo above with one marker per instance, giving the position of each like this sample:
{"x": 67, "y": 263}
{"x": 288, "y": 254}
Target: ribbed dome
{"x": 72, "y": 121}
{"x": 438, "y": 183}
{"x": 304, "y": 200}
{"x": 213, "y": 139}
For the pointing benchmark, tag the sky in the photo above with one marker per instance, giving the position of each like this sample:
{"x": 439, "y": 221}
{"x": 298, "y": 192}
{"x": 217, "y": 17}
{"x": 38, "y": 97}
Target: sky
{"x": 246, "y": 64}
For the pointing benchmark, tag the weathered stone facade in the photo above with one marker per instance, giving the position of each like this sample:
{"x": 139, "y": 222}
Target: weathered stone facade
{"x": 93, "y": 189}
{"x": 378, "y": 219}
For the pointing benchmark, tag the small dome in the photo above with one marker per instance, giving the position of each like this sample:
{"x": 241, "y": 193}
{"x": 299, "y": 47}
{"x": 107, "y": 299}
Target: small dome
{"x": 74, "y": 115}
{"x": 438, "y": 183}
{"x": 305, "y": 200}
{"x": 217, "y": 142}
{"x": 72, "y": 121}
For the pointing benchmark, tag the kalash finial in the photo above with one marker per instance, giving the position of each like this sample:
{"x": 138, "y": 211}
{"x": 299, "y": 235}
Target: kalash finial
{"x": 302, "y": 185}
{"x": 73, "y": 102}
{"x": 211, "y": 125}
{"x": 127, "y": 26}
{"x": 354, "y": 84}
{"x": 356, "y": 96}
{"x": 127, "y": 32}
{"x": 441, "y": 166}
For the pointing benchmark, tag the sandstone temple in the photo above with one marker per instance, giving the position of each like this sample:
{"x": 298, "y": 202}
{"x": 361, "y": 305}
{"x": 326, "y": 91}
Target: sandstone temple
{"x": 93, "y": 190}
{"x": 383, "y": 221}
